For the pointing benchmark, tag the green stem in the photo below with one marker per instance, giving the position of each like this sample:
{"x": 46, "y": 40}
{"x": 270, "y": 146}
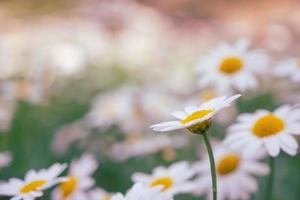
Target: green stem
{"x": 4, "y": 141}
{"x": 212, "y": 165}
{"x": 269, "y": 189}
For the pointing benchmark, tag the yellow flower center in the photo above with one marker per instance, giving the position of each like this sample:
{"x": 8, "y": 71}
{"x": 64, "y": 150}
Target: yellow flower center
{"x": 298, "y": 63}
{"x": 32, "y": 186}
{"x": 228, "y": 164}
{"x": 231, "y": 65}
{"x": 106, "y": 197}
{"x": 165, "y": 181}
{"x": 169, "y": 153}
{"x": 109, "y": 110}
{"x": 22, "y": 90}
{"x": 196, "y": 115}
{"x": 268, "y": 125}
{"x": 69, "y": 186}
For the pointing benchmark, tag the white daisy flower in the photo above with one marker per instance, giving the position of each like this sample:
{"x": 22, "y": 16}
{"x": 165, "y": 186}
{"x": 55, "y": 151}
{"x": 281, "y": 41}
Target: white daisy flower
{"x": 175, "y": 179}
{"x": 108, "y": 110}
{"x": 99, "y": 194}
{"x": 195, "y": 117}
{"x": 80, "y": 179}
{"x": 142, "y": 192}
{"x": 34, "y": 183}
{"x": 265, "y": 130}
{"x": 234, "y": 174}
{"x": 230, "y": 67}
{"x": 289, "y": 67}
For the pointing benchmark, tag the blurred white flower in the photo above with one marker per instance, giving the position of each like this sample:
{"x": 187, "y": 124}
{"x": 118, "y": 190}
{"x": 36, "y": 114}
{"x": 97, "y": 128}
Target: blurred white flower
{"x": 156, "y": 105}
{"x": 289, "y": 68}
{"x": 5, "y": 159}
{"x": 193, "y": 117}
{"x": 230, "y": 67}
{"x": 129, "y": 107}
{"x": 11, "y": 48}
{"x": 26, "y": 90}
{"x": 277, "y": 37}
{"x": 67, "y": 58}
{"x": 118, "y": 107}
{"x": 66, "y": 49}
{"x": 141, "y": 43}
{"x": 80, "y": 179}
{"x": 176, "y": 179}
{"x": 99, "y": 194}
{"x": 283, "y": 90}
{"x": 175, "y": 80}
{"x": 34, "y": 184}
{"x": 265, "y": 130}
{"x": 67, "y": 135}
{"x": 234, "y": 174}
{"x": 141, "y": 146}
{"x": 140, "y": 191}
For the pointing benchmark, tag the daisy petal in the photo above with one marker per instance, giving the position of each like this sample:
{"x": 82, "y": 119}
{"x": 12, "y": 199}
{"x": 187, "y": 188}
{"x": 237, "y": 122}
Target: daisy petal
{"x": 288, "y": 140}
{"x": 165, "y": 124}
{"x": 272, "y": 146}
{"x": 179, "y": 115}
{"x": 190, "y": 109}
{"x": 252, "y": 147}
{"x": 288, "y": 150}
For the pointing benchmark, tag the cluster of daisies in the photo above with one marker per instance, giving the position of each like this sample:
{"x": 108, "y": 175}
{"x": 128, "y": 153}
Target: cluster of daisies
{"x": 239, "y": 158}
{"x": 77, "y": 184}
{"x": 253, "y": 137}
{"x": 226, "y": 70}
